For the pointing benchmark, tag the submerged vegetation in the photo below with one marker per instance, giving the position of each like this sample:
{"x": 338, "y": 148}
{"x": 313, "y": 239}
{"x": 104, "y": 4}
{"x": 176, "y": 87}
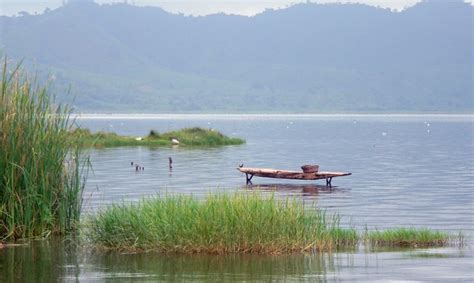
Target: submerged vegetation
{"x": 40, "y": 168}
{"x": 239, "y": 223}
{"x": 186, "y": 137}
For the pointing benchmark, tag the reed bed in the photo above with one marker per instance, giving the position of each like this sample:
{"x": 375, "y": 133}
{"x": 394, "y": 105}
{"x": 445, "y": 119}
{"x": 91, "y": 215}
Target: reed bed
{"x": 186, "y": 137}
{"x": 40, "y": 167}
{"x": 408, "y": 237}
{"x": 222, "y": 223}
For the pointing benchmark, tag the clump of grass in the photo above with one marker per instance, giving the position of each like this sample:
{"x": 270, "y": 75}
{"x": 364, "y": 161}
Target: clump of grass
{"x": 238, "y": 223}
{"x": 201, "y": 137}
{"x": 186, "y": 137}
{"x": 108, "y": 139}
{"x": 408, "y": 237}
{"x": 40, "y": 169}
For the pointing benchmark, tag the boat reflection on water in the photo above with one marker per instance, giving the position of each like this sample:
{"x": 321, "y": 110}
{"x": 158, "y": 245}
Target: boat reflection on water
{"x": 304, "y": 189}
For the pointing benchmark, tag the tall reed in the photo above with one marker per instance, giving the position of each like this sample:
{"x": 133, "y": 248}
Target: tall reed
{"x": 41, "y": 181}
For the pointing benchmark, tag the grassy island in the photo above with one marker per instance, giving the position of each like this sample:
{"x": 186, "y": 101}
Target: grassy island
{"x": 239, "y": 223}
{"x": 185, "y": 137}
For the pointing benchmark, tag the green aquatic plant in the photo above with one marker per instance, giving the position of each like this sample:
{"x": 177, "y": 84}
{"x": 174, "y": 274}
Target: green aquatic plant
{"x": 407, "y": 237}
{"x": 201, "y": 137}
{"x": 40, "y": 167}
{"x": 221, "y": 223}
{"x": 108, "y": 139}
{"x": 186, "y": 137}
{"x": 236, "y": 223}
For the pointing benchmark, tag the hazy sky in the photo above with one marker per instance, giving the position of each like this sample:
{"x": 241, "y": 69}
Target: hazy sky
{"x": 198, "y": 7}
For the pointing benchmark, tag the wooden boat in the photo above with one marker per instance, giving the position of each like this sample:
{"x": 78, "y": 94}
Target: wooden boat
{"x": 285, "y": 174}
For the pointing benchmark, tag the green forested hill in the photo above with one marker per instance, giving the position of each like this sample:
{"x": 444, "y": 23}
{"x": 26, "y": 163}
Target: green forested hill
{"x": 307, "y": 58}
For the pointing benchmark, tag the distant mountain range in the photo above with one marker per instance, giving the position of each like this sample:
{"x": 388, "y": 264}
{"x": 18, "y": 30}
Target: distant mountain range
{"x": 308, "y": 58}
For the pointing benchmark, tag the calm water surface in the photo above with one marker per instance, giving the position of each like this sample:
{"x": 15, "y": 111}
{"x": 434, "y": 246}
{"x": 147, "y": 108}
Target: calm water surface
{"x": 407, "y": 171}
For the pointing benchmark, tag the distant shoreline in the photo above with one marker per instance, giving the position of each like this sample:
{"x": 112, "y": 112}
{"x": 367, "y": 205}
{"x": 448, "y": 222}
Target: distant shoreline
{"x": 269, "y": 116}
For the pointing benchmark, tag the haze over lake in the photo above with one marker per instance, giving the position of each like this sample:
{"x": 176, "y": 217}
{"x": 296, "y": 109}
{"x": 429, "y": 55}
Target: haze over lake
{"x": 308, "y": 58}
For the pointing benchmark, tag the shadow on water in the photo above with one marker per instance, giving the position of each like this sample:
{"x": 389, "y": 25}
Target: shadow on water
{"x": 61, "y": 260}
{"x": 39, "y": 261}
{"x": 212, "y": 267}
{"x": 304, "y": 189}
{"x": 436, "y": 255}
{"x": 58, "y": 260}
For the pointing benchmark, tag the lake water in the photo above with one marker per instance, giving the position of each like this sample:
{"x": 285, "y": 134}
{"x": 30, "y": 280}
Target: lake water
{"x": 408, "y": 170}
